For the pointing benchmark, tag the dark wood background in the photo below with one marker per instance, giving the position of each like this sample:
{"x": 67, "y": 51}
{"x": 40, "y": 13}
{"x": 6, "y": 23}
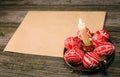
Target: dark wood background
{"x": 12, "y": 13}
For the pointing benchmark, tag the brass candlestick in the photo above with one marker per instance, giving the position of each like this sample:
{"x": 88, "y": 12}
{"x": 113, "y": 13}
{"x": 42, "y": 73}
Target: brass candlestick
{"x": 88, "y": 48}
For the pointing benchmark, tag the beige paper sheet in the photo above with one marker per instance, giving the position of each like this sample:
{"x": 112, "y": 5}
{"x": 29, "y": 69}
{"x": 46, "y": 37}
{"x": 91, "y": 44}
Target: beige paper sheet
{"x": 44, "y": 32}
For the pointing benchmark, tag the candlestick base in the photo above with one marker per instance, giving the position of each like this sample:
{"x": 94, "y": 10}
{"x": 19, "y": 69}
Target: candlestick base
{"x": 88, "y": 48}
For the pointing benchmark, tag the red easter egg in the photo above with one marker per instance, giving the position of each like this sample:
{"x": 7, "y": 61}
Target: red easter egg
{"x": 72, "y": 42}
{"x": 91, "y": 60}
{"x": 100, "y": 36}
{"x": 74, "y": 56}
{"x": 88, "y": 33}
{"x": 105, "y": 50}
{"x": 101, "y": 43}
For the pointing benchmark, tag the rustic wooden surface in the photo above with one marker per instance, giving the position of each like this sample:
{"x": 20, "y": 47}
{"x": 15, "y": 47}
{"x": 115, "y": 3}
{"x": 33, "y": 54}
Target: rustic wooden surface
{"x": 12, "y": 13}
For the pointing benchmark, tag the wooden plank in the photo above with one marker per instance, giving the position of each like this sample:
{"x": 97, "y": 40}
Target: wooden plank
{"x": 13, "y": 64}
{"x": 114, "y": 5}
{"x": 31, "y": 65}
{"x": 61, "y": 7}
{"x": 59, "y": 2}
{"x": 5, "y": 35}
{"x": 12, "y": 16}
{"x": 112, "y": 21}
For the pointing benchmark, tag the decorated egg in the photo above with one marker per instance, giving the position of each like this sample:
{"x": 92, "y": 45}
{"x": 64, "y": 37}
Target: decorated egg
{"x": 91, "y": 60}
{"x": 101, "y": 43}
{"x": 105, "y": 50}
{"x": 100, "y": 36}
{"x": 72, "y": 42}
{"x": 74, "y": 56}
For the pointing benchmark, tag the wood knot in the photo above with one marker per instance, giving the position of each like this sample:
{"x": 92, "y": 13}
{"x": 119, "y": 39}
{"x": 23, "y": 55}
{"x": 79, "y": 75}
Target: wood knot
{"x": 68, "y": 1}
{"x": 2, "y": 34}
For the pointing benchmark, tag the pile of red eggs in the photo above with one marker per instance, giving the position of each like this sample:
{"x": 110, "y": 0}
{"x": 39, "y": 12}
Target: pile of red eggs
{"x": 101, "y": 48}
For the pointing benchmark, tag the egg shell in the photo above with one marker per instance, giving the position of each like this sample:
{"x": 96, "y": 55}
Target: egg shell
{"x": 101, "y": 43}
{"x": 100, "y": 36}
{"x": 104, "y": 50}
{"x": 74, "y": 56}
{"x": 72, "y": 42}
{"x": 91, "y": 60}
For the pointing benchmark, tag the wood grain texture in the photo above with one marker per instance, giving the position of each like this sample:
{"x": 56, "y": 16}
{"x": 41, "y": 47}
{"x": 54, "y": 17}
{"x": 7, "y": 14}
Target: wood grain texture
{"x": 12, "y": 13}
{"x": 23, "y": 65}
{"x": 59, "y": 2}
{"x": 12, "y": 16}
{"x": 61, "y": 7}
{"x": 114, "y": 5}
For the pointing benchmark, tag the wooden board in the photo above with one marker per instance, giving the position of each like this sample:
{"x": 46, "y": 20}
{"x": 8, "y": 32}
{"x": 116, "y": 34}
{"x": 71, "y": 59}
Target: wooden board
{"x": 44, "y": 32}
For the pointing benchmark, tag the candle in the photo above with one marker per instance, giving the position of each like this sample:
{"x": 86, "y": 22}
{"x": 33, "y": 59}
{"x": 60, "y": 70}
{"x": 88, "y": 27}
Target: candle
{"x": 83, "y": 32}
